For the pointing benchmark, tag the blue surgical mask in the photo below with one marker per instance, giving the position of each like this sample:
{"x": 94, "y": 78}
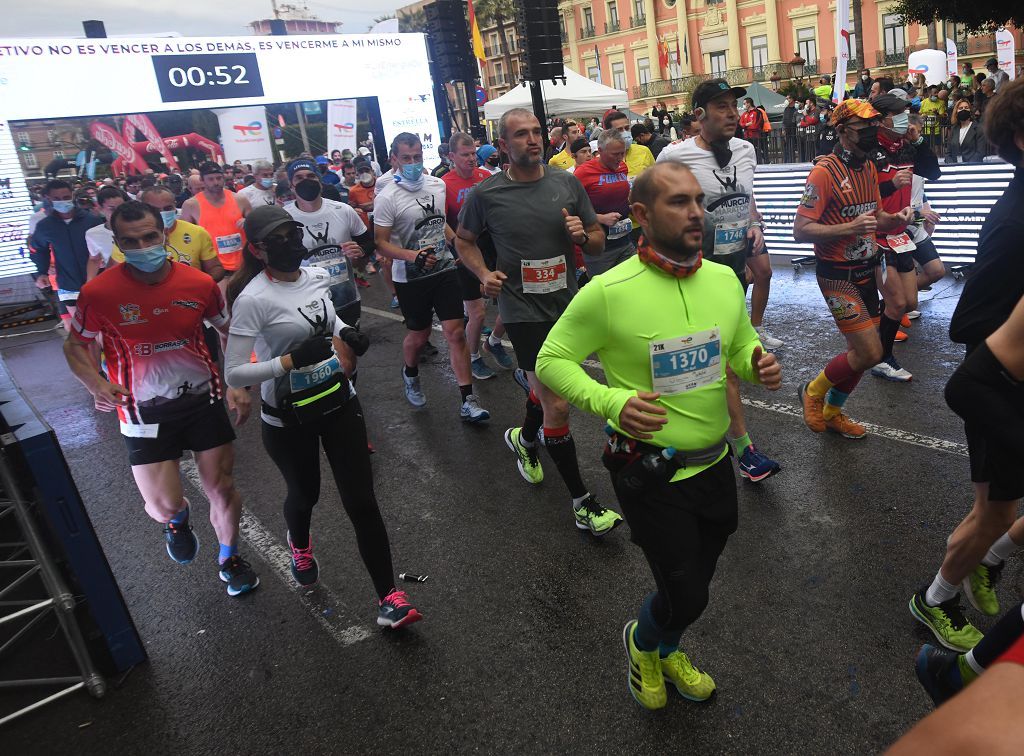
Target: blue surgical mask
{"x": 266, "y": 183}
{"x": 148, "y": 260}
{"x": 900, "y": 123}
{"x": 627, "y": 137}
{"x": 63, "y": 206}
{"x": 412, "y": 172}
{"x": 168, "y": 217}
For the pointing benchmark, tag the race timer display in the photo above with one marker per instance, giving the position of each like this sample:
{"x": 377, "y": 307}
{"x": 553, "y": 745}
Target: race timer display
{"x": 187, "y": 78}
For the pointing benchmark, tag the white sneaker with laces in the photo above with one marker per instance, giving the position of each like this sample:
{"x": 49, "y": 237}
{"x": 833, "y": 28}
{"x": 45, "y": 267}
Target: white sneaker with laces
{"x": 769, "y": 341}
{"x": 472, "y": 412}
{"x": 891, "y": 370}
{"x": 914, "y": 314}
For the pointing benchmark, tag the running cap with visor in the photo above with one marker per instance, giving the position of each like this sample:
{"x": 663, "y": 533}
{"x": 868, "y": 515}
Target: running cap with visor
{"x": 264, "y": 219}
{"x": 848, "y": 109}
{"x": 209, "y": 168}
{"x": 709, "y": 90}
{"x": 301, "y": 164}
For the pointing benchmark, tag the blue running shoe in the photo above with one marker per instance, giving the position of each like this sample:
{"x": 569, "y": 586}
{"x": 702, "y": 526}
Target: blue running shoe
{"x": 481, "y": 370}
{"x": 755, "y": 467}
{"x": 239, "y": 576}
{"x": 394, "y": 302}
{"x": 182, "y": 543}
{"x": 500, "y": 355}
{"x": 520, "y": 377}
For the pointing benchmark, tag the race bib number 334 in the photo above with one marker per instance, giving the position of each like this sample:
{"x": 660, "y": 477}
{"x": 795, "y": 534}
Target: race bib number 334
{"x": 544, "y": 276}
{"x": 686, "y": 363}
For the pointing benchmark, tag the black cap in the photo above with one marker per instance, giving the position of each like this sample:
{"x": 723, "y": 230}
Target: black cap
{"x": 709, "y": 90}
{"x": 264, "y": 219}
{"x": 209, "y": 168}
{"x": 889, "y": 104}
{"x": 991, "y": 62}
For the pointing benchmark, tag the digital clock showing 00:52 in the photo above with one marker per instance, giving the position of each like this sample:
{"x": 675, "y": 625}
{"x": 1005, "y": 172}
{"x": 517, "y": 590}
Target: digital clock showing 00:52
{"x": 187, "y": 78}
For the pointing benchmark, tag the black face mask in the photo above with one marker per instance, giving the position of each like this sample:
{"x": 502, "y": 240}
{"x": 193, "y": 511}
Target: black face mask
{"x": 721, "y": 152}
{"x": 308, "y": 189}
{"x": 285, "y": 255}
{"x": 867, "y": 139}
{"x": 963, "y": 115}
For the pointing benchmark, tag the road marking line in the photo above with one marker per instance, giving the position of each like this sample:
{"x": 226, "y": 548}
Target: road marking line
{"x": 893, "y": 434}
{"x": 321, "y": 601}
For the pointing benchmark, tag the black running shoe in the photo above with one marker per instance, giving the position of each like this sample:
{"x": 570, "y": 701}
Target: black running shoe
{"x": 239, "y": 576}
{"x": 305, "y": 568}
{"x": 182, "y": 543}
{"x": 936, "y": 669}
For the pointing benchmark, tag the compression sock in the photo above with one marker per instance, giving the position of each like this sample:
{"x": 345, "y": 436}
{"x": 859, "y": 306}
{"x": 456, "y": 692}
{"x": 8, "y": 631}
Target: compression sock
{"x": 838, "y": 394}
{"x": 534, "y": 419}
{"x": 647, "y": 633}
{"x": 739, "y": 445}
{"x": 887, "y": 328}
{"x": 1000, "y": 550}
{"x": 940, "y": 591}
{"x": 998, "y": 640}
{"x": 466, "y": 390}
{"x": 412, "y": 372}
{"x": 836, "y": 371}
{"x": 562, "y": 448}
{"x": 226, "y": 552}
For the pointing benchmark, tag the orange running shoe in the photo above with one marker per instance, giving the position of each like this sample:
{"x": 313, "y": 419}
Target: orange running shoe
{"x": 901, "y": 336}
{"x": 905, "y": 321}
{"x": 846, "y": 427}
{"x": 813, "y": 406}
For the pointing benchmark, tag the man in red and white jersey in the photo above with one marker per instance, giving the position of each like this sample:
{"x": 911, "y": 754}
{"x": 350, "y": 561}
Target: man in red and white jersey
{"x": 164, "y": 383}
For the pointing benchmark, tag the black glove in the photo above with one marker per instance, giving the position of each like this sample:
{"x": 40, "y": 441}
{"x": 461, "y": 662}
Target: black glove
{"x": 359, "y": 342}
{"x": 311, "y": 351}
{"x": 421, "y": 259}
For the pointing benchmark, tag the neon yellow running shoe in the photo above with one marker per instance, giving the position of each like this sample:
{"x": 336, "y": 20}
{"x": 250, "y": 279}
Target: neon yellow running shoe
{"x": 592, "y": 516}
{"x": 947, "y": 622}
{"x": 980, "y": 588}
{"x": 526, "y": 456}
{"x": 646, "y": 684}
{"x": 691, "y": 683}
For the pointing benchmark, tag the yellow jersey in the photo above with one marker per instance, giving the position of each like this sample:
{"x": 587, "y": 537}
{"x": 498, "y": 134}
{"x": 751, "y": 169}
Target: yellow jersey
{"x": 186, "y": 242}
{"x": 638, "y": 159}
{"x": 562, "y": 159}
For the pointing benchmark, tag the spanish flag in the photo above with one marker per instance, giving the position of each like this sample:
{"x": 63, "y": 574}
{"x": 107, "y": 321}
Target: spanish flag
{"x": 474, "y": 32}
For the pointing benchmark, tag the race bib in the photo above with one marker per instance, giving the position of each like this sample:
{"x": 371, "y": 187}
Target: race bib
{"x": 140, "y": 430}
{"x": 332, "y": 259}
{"x": 228, "y": 244}
{"x": 900, "y": 242}
{"x": 544, "y": 276}
{"x": 686, "y": 363}
{"x": 730, "y": 237}
{"x": 620, "y": 229}
{"x": 307, "y": 377}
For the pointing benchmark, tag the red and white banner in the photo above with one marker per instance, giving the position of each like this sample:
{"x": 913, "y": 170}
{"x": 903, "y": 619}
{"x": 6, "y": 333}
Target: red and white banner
{"x": 842, "y": 50}
{"x": 127, "y": 156}
{"x": 1005, "y": 50}
{"x": 341, "y": 125}
{"x": 243, "y": 132}
{"x": 148, "y": 130}
{"x": 184, "y": 141}
{"x": 951, "y": 57}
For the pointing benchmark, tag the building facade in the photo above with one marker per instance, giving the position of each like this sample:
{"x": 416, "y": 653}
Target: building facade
{"x": 39, "y": 143}
{"x": 659, "y": 50}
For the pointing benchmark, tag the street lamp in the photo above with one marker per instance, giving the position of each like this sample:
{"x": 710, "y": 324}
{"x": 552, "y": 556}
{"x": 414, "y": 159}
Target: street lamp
{"x": 796, "y": 67}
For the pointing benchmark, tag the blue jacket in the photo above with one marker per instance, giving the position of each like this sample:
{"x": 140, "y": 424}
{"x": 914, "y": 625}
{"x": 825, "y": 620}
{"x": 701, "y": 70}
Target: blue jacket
{"x": 66, "y": 239}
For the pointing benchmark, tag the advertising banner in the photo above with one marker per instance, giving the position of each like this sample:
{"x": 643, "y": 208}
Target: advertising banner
{"x": 951, "y": 57}
{"x": 929, "y": 63}
{"x": 1005, "y": 50}
{"x": 126, "y": 154}
{"x": 244, "y": 134}
{"x": 145, "y": 126}
{"x": 341, "y": 125}
{"x": 842, "y": 50}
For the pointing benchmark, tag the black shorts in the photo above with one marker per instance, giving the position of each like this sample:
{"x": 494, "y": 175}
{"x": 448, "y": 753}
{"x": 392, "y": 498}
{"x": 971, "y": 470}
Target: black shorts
{"x": 901, "y": 262}
{"x": 992, "y": 464}
{"x": 925, "y": 252}
{"x": 469, "y": 284}
{"x": 202, "y": 427}
{"x": 351, "y": 313}
{"x": 420, "y": 299}
{"x": 527, "y": 339}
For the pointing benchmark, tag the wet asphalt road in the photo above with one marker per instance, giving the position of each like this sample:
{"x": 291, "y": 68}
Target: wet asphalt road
{"x": 807, "y": 635}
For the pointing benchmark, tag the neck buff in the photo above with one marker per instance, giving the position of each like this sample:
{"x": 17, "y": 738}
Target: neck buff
{"x": 649, "y": 256}
{"x": 409, "y": 186}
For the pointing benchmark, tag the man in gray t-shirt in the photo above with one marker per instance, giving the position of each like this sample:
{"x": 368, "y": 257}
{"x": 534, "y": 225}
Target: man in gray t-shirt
{"x": 535, "y": 215}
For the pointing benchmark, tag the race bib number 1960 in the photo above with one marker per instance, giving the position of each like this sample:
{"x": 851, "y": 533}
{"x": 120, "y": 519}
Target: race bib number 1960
{"x": 544, "y": 276}
{"x": 687, "y": 362}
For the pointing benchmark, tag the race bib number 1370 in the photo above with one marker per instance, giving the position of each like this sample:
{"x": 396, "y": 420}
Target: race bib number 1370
{"x": 687, "y": 362}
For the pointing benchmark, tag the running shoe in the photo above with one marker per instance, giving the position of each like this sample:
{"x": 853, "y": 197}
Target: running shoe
{"x": 396, "y": 611}
{"x": 428, "y": 350}
{"x": 500, "y": 355}
{"x": 914, "y": 314}
{"x": 305, "y": 568}
{"x": 767, "y": 340}
{"x": 980, "y": 587}
{"x": 947, "y": 622}
{"x": 182, "y": 543}
{"x": 239, "y": 576}
{"x": 691, "y": 683}
{"x": 599, "y": 520}
{"x": 413, "y": 392}
{"x": 901, "y": 336}
{"x": 905, "y": 320}
{"x": 643, "y": 672}
{"x": 486, "y": 331}
{"x": 526, "y": 456}
{"x": 472, "y": 412}
{"x": 394, "y": 302}
{"x": 481, "y": 370}
{"x": 937, "y": 670}
{"x": 755, "y": 466}
{"x": 520, "y": 377}
{"x": 891, "y": 370}
{"x": 362, "y": 282}
{"x": 813, "y": 407}
{"x": 846, "y": 427}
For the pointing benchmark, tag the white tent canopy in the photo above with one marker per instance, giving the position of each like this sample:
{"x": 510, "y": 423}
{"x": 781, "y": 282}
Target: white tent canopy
{"x": 579, "y": 96}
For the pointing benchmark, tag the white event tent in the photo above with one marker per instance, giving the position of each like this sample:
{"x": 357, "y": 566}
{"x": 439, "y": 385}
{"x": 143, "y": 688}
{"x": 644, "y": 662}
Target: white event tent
{"x": 578, "y": 96}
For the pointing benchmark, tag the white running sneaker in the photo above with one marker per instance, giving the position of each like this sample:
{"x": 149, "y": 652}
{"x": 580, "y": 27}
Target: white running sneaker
{"x": 891, "y": 370}
{"x": 769, "y": 341}
{"x": 472, "y": 412}
{"x": 914, "y": 314}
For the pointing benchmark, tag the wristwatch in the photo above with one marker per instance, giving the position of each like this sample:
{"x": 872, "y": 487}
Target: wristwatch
{"x": 586, "y": 238}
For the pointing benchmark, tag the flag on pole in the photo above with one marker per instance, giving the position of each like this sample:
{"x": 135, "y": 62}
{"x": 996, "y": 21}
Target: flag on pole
{"x": 685, "y": 51}
{"x": 678, "y": 59}
{"x": 474, "y": 33}
{"x": 597, "y": 60}
{"x": 842, "y": 50}
{"x": 662, "y": 53}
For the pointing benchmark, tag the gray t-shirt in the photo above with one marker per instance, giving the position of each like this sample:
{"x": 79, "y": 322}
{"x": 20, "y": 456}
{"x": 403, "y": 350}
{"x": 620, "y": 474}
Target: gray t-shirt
{"x": 528, "y": 229}
{"x": 417, "y": 222}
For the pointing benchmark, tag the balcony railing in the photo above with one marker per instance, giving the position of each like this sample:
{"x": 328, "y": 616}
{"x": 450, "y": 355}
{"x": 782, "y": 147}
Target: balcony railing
{"x": 637, "y": 21}
{"x": 891, "y": 57}
{"x": 852, "y": 65}
{"x": 497, "y": 81}
{"x": 565, "y": 38}
{"x": 612, "y": 26}
{"x": 735, "y": 76}
{"x": 587, "y": 32}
